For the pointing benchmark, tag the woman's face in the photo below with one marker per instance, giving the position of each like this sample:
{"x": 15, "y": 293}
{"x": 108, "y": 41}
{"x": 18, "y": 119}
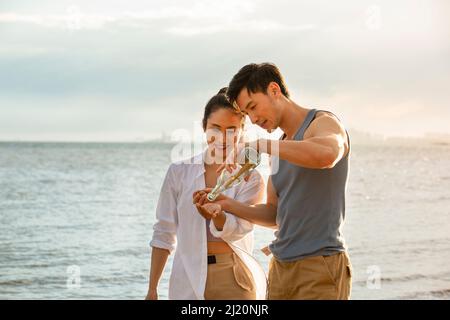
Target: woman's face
{"x": 223, "y": 129}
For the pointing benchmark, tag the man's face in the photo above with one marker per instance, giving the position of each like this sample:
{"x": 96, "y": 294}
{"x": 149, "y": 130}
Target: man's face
{"x": 260, "y": 108}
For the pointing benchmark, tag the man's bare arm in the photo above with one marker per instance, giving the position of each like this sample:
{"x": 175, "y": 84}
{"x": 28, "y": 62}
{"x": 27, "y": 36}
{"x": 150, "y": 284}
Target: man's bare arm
{"x": 261, "y": 214}
{"x": 323, "y": 147}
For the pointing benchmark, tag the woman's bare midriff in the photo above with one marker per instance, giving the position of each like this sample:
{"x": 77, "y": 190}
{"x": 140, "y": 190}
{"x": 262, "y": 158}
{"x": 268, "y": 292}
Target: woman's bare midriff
{"x": 218, "y": 248}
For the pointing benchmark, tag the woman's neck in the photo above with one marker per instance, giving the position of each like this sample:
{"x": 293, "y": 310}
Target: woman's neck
{"x": 213, "y": 161}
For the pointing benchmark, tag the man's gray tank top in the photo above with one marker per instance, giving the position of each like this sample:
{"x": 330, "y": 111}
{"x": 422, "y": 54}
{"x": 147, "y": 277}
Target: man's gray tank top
{"x": 311, "y": 206}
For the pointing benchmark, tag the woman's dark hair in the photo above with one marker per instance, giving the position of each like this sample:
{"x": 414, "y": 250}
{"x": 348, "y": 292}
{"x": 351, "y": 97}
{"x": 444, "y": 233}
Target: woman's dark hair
{"x": 256, "y": 78}
{"x": 219, "y": 101}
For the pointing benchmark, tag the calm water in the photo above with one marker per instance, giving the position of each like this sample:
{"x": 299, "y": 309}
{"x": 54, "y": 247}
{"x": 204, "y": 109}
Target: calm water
{"x": 92, "y": 206}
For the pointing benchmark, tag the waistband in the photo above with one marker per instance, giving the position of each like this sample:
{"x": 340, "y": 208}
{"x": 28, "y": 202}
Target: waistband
{"x": 221, "y": 258}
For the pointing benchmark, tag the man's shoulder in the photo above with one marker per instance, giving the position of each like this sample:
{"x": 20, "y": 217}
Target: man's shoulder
{"x": 328, "y": 115}
{"x": 325, "y": 121}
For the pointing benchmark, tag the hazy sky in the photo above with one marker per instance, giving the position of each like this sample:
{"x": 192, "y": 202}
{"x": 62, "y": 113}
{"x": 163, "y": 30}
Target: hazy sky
{"x": 126, "y": 70}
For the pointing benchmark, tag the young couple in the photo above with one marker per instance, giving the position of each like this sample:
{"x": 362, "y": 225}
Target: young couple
{"x": 305, "y": 202}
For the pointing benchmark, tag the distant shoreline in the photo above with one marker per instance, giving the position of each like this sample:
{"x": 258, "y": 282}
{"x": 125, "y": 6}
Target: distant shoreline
{"x": 412, "y": 141}
{"x": 83, "y": 142}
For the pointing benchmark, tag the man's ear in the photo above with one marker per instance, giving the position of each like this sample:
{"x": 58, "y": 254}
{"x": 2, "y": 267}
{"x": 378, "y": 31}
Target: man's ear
{"x": 273, "y": 89}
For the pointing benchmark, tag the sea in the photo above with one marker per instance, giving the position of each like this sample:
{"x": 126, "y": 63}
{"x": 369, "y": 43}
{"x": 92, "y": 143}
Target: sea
{"x": 76, "y": 220}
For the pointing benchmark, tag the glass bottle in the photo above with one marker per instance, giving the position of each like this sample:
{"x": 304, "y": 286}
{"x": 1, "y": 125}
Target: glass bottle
{"x": 248, "y": 160}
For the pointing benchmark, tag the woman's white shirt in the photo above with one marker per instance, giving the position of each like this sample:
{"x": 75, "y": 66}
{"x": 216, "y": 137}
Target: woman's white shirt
{"x": 180, "y": 228}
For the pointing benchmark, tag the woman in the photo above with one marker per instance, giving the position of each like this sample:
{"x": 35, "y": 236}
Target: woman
{"x": 212, "y": 257}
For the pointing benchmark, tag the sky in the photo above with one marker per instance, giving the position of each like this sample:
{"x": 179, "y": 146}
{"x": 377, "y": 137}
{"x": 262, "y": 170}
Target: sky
{"x": 131, "y": 70}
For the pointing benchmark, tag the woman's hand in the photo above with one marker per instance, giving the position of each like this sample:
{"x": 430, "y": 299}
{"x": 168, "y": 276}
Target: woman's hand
{"x": 213, "y": 211}
{"x": 209, "y": 210}
{"x": 230, "y": 162}
{"x": 152, "y": 294}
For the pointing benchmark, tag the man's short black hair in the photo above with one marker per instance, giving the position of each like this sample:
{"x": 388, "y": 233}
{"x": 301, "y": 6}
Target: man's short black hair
{"x": 256, "y": 78}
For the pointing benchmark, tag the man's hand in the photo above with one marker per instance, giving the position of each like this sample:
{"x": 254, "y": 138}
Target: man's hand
{"x": 200, "y": 198}
{"x": 232, "y": 160}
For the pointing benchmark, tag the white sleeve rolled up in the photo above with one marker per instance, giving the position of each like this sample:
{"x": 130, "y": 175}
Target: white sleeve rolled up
{"x": 165, "y": 228}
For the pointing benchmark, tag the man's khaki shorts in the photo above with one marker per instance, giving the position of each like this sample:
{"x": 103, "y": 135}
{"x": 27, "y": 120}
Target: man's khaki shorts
{"x": 312, "y": 278}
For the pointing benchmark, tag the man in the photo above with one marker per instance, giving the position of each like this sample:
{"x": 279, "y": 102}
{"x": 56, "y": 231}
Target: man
{"x": 305, "y": 197}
